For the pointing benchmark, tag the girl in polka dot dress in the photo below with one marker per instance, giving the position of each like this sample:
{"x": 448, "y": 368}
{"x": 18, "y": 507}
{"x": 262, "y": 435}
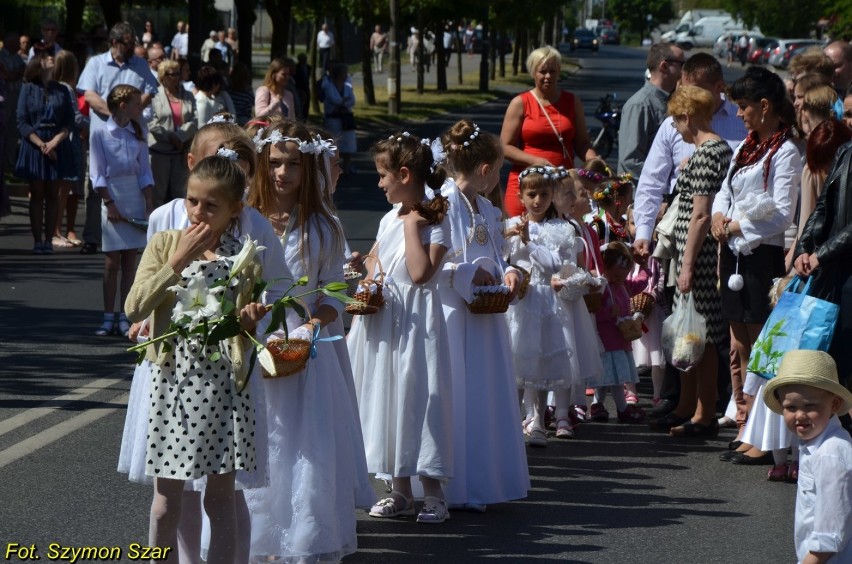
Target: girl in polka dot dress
{"x": 201, "y": 415}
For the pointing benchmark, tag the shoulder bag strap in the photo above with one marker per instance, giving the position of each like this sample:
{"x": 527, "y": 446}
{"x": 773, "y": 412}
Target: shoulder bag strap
{"x": 550, "y": 121}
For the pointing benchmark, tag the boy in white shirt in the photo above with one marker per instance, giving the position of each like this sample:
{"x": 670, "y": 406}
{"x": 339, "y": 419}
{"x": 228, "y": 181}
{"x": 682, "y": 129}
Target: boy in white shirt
{"x": 807, "y": 393}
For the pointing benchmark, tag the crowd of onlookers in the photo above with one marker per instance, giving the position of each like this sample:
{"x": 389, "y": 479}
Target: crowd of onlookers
{"x": 176, "y": 102}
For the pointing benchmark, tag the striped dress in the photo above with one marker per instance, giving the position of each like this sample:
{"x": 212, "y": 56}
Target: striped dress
{"x": 703, "y": 176}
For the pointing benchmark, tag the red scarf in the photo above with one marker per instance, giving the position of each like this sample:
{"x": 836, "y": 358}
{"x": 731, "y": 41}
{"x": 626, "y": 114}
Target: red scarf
{"x": 753, "y": 150}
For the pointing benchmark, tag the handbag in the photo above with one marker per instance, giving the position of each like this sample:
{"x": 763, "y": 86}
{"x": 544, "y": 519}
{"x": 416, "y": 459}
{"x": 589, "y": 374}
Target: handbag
{"x": 665, "y": 248}
{"x": 799, "y": 321}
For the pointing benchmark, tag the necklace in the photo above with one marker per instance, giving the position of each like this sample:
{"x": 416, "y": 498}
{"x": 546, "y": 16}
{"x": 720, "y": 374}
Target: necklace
{"x": 618, "y": 230}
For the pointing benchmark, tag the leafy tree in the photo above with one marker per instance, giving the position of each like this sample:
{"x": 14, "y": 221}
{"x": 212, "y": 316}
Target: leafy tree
{"x": 840, "y": 12}
{"x": 788, "y": 18}
{"x": 632, "y": 15}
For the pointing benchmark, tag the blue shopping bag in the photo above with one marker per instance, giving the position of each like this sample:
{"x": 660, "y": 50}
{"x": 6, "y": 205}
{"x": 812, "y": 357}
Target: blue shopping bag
{"x": 799, "y": 321}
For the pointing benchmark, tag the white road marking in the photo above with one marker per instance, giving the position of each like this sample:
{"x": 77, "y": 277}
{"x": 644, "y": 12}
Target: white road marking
{"x": 80, "y": 393}
{"x": 56, "y": 432}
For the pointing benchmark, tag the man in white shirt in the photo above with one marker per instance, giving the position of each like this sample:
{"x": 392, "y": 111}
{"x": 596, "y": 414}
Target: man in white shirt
{"x": 180, "y": 42}
{"x": 325, "y": 41}
{"x": 102, "y": 73}
{"x": 378, "y": 46}
{"x": 208, "y": 45}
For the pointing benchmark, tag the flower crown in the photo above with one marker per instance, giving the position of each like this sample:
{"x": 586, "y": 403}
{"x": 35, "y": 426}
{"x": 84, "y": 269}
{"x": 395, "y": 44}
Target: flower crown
{"x": 439, "y": 156}
{"x": 316, "y": 146}
{"x": 547, "y": 172}
{"x": 471, "y": 138}
{"x": 229, "y": 154}
{"x": 224, "y": 117}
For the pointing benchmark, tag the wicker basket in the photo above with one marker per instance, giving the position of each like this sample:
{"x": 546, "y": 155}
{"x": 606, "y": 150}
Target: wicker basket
{"x": 631, "y": 329}
{"x": 643, "y": 303}
{"x": 367, "y": 302}
{"x": 525, "y": 281}
{"x": 290, "y": 356}
{"x": 593, "y": 300}
{"x": 490, "y": 302}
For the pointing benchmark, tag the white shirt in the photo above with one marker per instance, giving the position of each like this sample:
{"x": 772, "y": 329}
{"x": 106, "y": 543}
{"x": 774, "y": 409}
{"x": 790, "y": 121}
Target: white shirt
{"x": 180, "y": 43}
{"x": 114, "y": 152}
{"x": 823, "y": 520}
{"x": 662, "y": 167}
{"x": 782, "y": 185}
{"x": 325, "y": 39}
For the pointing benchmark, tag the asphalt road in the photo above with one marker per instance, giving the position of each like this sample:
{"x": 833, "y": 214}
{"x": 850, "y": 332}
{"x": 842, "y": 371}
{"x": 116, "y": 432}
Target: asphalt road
{"x": 616, "y": 493}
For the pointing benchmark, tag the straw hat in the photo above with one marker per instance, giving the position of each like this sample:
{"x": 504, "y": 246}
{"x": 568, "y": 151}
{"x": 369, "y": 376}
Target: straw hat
{"x": 807, "y": 368}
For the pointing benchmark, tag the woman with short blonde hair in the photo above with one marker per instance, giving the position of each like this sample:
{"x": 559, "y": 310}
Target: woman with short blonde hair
{"x": 545, "y": 126}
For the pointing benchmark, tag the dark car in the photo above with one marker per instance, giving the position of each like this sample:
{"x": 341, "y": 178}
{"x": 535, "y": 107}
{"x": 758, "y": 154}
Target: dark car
{"x": 608, "y": 36}
{"x": 584, "y": 39}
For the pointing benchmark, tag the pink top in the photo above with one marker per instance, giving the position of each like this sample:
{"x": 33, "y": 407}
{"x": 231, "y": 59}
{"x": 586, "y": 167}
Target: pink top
{"x": 177, "y": 113}
{"x": 607, "y": 315}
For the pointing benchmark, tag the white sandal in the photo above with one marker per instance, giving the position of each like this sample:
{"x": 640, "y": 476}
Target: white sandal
{"x": 434, "y": 510}
{"x": 564, "y": 429}
{"x": 388, "y": 507}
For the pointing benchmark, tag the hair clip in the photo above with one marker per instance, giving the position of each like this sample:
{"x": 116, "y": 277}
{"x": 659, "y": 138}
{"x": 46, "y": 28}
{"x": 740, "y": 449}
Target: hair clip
{"x": 590, "y": 175}
{"x": 472, "y": 136}
{"x": 325, "y": 146}
{"x": 399, "y": 138}
{"x": 229, "y": 154}
{"x": 222, "y": 118}
{"x": 439, "y": 156}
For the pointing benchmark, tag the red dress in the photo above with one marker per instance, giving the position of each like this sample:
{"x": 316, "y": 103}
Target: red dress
{"x": 537, "y": 138}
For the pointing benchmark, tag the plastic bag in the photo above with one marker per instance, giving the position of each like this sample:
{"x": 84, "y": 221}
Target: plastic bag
{"x": 684, "y": 333}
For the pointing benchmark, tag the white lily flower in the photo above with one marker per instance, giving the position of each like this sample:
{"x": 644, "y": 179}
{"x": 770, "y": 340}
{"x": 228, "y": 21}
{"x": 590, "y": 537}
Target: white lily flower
{"x": 266, "y": 360}
{"x": 246, "y": 255}
{"x": 197, "y": 301}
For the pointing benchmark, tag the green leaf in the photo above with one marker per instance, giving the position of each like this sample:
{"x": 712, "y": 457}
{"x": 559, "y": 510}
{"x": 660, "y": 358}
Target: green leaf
{"x": 228, "y": 307}
{"x": 215, "y": 356}
{"x": 276, "y": 318}
{"x": 338, "y": 296}
{"x": 298, "y": 308}
{"x": 303, "y": 281}
{"x": 336, "y": 286}
{"x": 228, "y": 327}
{"x": 259, "y": 287}
{"x": 219, "y": 283}
{"x": 140, "y": 355}
{"x": 252, "y": 360}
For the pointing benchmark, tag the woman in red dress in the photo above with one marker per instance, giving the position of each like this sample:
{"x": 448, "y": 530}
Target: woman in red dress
{"x": 544, "y": 126}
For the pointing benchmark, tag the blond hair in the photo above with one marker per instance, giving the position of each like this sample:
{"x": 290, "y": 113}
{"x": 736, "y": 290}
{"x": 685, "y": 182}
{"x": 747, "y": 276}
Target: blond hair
{"x": 820, "y": 100}
{"x": 167, "y": 66}
{"x": 543, "y": 55}
{"x": 692, "y": 101}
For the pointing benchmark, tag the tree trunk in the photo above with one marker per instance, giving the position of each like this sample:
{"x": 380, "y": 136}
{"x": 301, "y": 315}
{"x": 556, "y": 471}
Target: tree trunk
{"x": 279, "y": 12}
{"x": 495, "y": 46}
{"x": 313, "y": 57}
{"x": 459, "y": 49}
{"x": 338, "y": 37}
{"x": 483, "y": 61}
{"x": 525, "y": 51}
{"x": 367, "y": 61}
{"x": 293, "y": 37}
{"x": 441, "y": 66}
{"x": 111, "y": 11}
{"x": 74, "y": 17}
{"x": 196, "y": 35}
{"x": 245, "y": 24}
{"x": 516, "y": 55}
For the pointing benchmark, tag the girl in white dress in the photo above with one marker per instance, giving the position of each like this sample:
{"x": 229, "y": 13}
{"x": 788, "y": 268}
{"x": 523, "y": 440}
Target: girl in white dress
{"x": 543, "y": 346}
{"x": 574, "y": 313}
{"x": 400, "y": 355}
{"x": 317, "y": 469}
{"x": 195, "y": 398}
{"x": 121, "y": 173}
{"x": 490, "y": 467}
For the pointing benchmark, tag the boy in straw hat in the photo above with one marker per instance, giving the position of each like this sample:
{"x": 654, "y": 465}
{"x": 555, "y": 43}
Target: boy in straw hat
{"x": 807, "y": 393}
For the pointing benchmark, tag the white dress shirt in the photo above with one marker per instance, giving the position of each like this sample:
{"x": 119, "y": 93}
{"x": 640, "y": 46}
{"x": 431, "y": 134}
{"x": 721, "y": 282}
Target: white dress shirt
{"x": 824, "y": 498}
{"x": 662, "y": 166}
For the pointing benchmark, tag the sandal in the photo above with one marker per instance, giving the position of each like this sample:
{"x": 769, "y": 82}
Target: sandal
{"x": 60, "y": 242}
{"x": 564, "y": 429}
{"x": 538, "y": 437}
{"x": 793, "y": 472}
{"x": 778, "y": 473}
{"x": 434, "y": 510}
{"x": 123, "y": 325}
{"x": 599, "y": 413}
{"x": 388, "y": 507}
{"x": 106, "y": 328}
{"x": 631, "y": 398}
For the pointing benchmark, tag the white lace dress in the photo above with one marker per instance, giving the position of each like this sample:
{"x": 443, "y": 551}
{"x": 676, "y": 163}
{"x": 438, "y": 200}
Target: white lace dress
{"x": 317, "y": 470}
{"x": 402, "y": 368}
{"x": 543, "y": 345}
{"x": 490, "y": 459}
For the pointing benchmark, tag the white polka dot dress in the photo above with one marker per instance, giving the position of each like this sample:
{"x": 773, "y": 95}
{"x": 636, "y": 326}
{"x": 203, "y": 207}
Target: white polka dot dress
{"x": 198, "y": 424}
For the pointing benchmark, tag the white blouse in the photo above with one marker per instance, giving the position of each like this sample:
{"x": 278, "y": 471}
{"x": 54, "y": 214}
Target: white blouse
{"x": 782, "y": 190}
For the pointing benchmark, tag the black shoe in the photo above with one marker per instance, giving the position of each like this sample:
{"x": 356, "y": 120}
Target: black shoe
{"x": 734, "y": 445}
{"x": 729, "y": 455}
{"x": 89, "y": 249}
{"x": 663, "y": 408}
{"x": 696, "y": 430}
{"x": 762, "y": 460}
{"x": 664, "y": 424}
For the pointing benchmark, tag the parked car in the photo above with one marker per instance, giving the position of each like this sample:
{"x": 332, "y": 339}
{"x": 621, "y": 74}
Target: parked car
{"x": 720, "y": 48}
{"x": 758, "y": 47}
{"x": 608, "y": 36}
{"x": 584, "y": 39}
{"x": 780, "y": 55}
